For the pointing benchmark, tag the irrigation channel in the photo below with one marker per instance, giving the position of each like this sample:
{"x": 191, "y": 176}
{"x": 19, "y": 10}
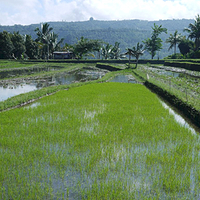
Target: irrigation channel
{"x": 16, "y": 86}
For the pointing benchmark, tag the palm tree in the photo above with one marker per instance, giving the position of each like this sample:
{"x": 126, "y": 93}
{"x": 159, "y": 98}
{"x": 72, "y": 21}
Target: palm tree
{"x": 173, "y": 40}
{"x": 194, "y": 31}
{"x": 157, "y": 30}
{"x": 154, "y": 43}
{"x": 44, "y": 32}
{"x": 44, "y": 36}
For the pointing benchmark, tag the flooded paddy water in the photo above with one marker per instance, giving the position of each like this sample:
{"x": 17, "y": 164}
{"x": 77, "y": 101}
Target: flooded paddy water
{"x": 124, "y": 79}
{"x": 11, "y": 73}
{"x": 181, "y": 119}
{"x": 16, "y": 86}
{"x": 174, "y": 72}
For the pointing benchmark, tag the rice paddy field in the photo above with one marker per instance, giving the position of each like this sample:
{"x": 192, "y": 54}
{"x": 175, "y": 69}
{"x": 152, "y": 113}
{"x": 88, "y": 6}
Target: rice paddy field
{"x": 97, "y": 141}
{"x": 184, "y": 84}
{"x": 11, "y": 64}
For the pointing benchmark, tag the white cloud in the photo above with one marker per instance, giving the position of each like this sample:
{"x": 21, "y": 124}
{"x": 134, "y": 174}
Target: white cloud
{"x": 36, "y": 11}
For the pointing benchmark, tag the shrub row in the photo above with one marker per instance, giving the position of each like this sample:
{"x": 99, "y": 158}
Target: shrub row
{"x": 184, "y": 60}
{"x": 185, "y": 65}
{"x": 102, "y": 61}
{"x": 107, "y": 67}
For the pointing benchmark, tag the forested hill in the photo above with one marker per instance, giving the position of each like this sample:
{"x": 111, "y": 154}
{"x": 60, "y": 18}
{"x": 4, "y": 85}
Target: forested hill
{"x": 127, "y": 32}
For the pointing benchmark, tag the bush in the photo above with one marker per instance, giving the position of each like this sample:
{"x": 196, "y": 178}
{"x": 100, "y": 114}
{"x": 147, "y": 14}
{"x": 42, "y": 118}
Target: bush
{"x": 185, "y": 65}
{"x": 193, "y": 54}
{"x": 175, "y": 56}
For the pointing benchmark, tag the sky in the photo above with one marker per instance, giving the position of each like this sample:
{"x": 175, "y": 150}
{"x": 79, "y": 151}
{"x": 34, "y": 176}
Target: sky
{"x": 28, "y": 12}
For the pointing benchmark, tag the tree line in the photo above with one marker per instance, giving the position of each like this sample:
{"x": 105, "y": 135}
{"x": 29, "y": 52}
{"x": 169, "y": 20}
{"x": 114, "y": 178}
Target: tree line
{"x": 17, "y": 46}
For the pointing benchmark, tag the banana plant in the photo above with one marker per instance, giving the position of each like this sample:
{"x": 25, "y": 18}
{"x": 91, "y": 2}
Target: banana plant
{"x": 129, "y": 53}
{"x": 115, "y": 51}
{"x": 135, "y": 52}
{"x": 106, "y": 51}
{"x": 85, "y": 47}
{"x": 54, "y": 43}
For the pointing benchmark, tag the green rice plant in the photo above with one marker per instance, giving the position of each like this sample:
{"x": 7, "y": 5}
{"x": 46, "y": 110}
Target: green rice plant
{"x": 97, "y": 141}
{"x": 66, "y": 67}
{"x": 8, "y": 64}
{"x": 32, "y": 96}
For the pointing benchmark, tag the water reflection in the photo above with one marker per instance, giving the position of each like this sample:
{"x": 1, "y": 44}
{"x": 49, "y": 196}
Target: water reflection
{"x": 178, "y": 118}
{"x": 33, "y": 105}
{"x": 170, "y": 73}
{"x": 174, "y": 72}
{"x": 15, "y": 87}
{"x": 124, "y": 79}
{"x": 166, "y": 72}
{"x": 27, "y": 71}
{"x": 6, "y": 93}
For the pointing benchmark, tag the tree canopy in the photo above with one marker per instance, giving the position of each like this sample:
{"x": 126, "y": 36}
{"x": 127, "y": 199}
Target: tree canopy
{"x": 6, "y": 45}
{"x": 154, "y": 43}
{"x": 48, "y": 40}
{"x": 135, "y": 52}
{"x": 194, "y": 31}
{"x": 173, "y": 40}
{"x": 100, "y": 39}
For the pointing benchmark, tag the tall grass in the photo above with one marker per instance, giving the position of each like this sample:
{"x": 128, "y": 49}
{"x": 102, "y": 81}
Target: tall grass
{"x": 97, "y": 141}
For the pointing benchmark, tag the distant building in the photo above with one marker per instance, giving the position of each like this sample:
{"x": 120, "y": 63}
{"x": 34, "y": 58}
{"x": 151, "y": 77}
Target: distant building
{"x": 62, "y": 55}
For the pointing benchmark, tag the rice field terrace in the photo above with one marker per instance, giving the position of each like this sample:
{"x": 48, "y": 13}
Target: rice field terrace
{"x": 14, "y": 81}
{"x": 96, "y": 140}
{"x": 182, "y": 83}
{"x": 11, "y": 64}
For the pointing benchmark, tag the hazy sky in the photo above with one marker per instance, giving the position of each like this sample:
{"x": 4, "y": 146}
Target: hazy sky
{"x": 35, "y": 11}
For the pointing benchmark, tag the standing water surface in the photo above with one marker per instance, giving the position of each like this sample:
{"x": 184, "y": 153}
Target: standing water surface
{"x": 10, "y": 88}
